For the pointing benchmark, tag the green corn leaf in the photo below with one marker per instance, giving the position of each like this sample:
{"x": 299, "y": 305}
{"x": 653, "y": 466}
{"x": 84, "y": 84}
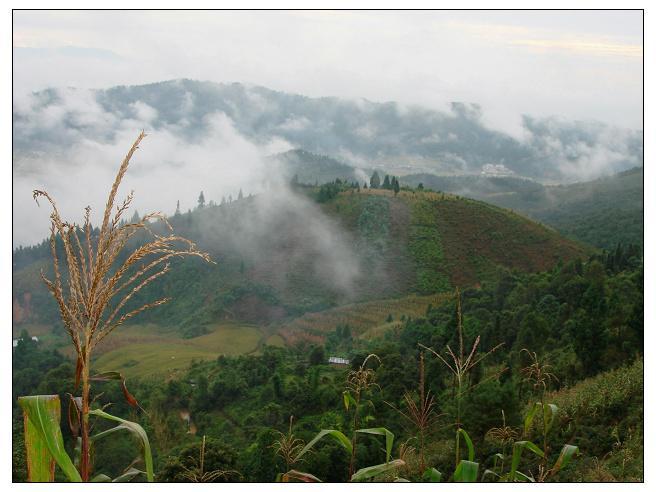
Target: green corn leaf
{"x": 373, "y": 471}
{"x": 518, "y": 447}
{"x": 40, "y": 463}
{"x": 523, "y": 477}
{"x": 389, "y": 438}
{"x": 137, "y": 430}
{"x": 498, "y": 457}
{"x": 101, "y": 478}
{"x": 470, "y": 445}
{"x": 432, "y": 475}
{"x": 42, "y": 432}
{"x": 127, "y": 475}
{"x": 552, "y": 411}
{"x": 348, "y": 400}
{"x": 566, "y": 455}
{"x": 298, "y": 476}
{"x": 335, "y": 434}
{"x": 528, "y": 420}
{"x": 488, "y": 473}
{"x": 466, "y": 471}
{"x": 401, "y": 480}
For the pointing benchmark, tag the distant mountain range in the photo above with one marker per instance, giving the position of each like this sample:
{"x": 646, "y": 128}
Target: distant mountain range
{"x": 363, "y": 134}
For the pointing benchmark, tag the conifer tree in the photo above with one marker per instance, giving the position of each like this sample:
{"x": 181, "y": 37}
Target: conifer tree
{"x": 375, "y": 180}
{"x": 201, "y": 200}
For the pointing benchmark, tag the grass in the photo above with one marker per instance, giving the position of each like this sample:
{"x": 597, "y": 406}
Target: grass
{"x": 275, "y": 341}
{"x": 144, "y": 351}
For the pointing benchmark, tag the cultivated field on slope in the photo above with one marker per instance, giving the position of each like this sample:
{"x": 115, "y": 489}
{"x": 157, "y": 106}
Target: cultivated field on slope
{"x": 143, "y": 350}
{"x": 362, "y": 318}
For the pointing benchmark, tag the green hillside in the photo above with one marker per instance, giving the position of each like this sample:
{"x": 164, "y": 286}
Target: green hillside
{"x": 603, "y": 212}
{"x": 244, "y": 345}
{"x": 265, "y": 273}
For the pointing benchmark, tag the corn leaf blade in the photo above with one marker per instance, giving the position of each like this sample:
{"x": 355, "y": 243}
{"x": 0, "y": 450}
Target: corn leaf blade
{"x": 373, "y": 471}
{"x": 137, "y": 430}
{"x": 42, "y": 416}
{"x": 466, "y": 471}
{"x": 389, "y": 439}
{"x": 299, "y": 476}
{"x": 432, "y": 475}
{"x": 566, "y": 455}
{"x": 335, "y": 434}
{"x": 517, "y": 454}
{"x": 470, "y": 444}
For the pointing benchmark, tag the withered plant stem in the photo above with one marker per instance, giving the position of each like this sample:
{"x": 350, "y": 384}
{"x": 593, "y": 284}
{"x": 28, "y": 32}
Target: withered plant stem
{"x": 96, "y": 280}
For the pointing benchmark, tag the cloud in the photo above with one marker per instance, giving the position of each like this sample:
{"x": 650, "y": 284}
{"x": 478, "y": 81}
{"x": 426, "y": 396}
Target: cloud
{"x": 592, "y": 47}
{"x": 425, "y": 58}
{"x": 582, "y": 150}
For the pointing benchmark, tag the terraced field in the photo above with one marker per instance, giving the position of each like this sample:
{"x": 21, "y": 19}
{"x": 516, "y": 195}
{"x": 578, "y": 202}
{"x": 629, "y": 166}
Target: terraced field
{"x": 145, "y": 351}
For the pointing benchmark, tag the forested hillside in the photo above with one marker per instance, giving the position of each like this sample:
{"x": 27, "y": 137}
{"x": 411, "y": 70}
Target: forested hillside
{"x": 602, "y": 213}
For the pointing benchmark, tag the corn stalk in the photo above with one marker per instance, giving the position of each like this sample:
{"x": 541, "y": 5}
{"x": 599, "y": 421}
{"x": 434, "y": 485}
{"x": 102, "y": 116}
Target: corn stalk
{"x": 96, "y": 279}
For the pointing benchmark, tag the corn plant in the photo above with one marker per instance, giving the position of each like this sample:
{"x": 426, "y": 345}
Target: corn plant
{"x": 536, "y": 374}
{"x": 460, "y": 365}
{"x": 348, "y": 445}
{"x": 358, "y": 382}
{"x": 196, "y": 473}
{"x": 288, "y": 446}
{"x": 96, "y": 280}
{"x": 420, "y": 415}
{"x": 504, "y": 436}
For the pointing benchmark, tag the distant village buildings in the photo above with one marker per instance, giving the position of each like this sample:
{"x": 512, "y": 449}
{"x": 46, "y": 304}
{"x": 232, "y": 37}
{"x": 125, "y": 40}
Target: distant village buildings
{"x": 338, "y": 361}
{"x": 14, "y": 342}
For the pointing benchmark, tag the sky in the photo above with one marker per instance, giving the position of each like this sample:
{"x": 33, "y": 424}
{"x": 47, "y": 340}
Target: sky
{"x": 581, "y": 65}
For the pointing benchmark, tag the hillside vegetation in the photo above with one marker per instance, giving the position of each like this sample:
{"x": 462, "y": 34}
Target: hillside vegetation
{"x": 602, "y": 213}
{"x": 267, "y": 273}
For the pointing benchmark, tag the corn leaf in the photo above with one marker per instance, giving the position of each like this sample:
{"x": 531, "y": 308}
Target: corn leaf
{"x": 528, "y": 420}
{"x": 551, "y": 411}
{"x": 127, "y": 475}
{"x": 101, "y": 477}
{"x": 526, "y": 478}
{"x": 389, "y": 439}
{"x": 348, "y": 400}
{"x": 137, "y": 430}
{"x": 373, "y": 471}
{"x": 517, "y": 454}
{"x": 299, "y": 476}
{"x": 488, "y": 473}
{"x": 117, "y": 376}
{"x": 566, "y": 455}
{"x": 466, "y": 471}
{"x": 470, "y": 445}
{"x": 40, "y": 463}
{"x": 42, "y": 431}
{"x": 335, "y": 434}
{"x": 432, "y": 475}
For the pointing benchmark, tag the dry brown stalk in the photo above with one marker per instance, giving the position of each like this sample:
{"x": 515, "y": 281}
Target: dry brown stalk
{"x": 91, "y": 285}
